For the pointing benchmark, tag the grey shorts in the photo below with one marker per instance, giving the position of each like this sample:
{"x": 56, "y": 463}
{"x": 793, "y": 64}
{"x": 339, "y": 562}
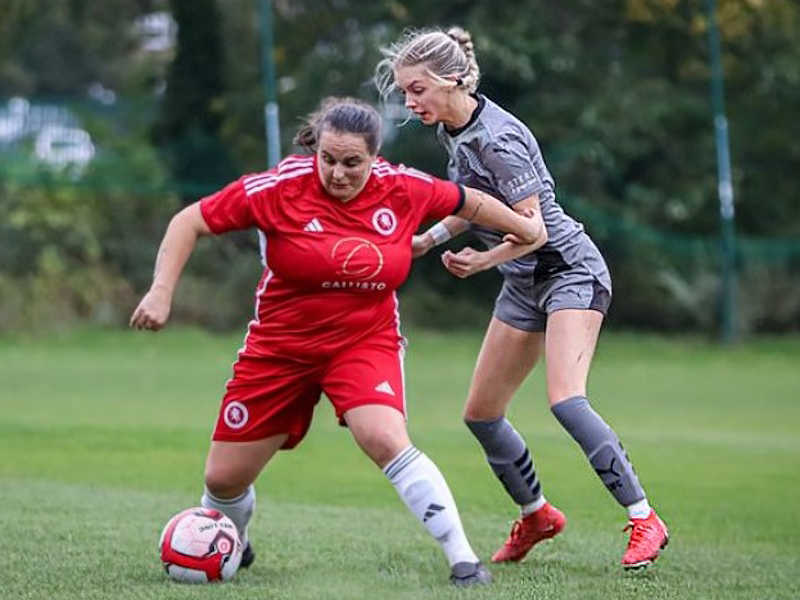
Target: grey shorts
{"x": 527, "y": 308}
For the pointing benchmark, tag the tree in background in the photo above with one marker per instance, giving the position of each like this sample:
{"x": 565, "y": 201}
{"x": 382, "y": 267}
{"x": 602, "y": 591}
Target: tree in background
{"x": 191, "y": 115}
{"x": 60, "y": 47}
{"x": 616, "y": 92}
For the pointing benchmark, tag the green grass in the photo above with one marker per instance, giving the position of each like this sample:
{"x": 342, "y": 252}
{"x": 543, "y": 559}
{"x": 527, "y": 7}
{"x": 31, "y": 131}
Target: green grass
{"x": 103, "y": 437}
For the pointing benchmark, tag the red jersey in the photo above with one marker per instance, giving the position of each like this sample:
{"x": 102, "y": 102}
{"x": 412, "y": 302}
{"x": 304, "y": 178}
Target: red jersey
{"x": 332, "y": 268}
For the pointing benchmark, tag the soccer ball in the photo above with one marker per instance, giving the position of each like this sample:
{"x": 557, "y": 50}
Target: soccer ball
{"x": 199, "y": 545}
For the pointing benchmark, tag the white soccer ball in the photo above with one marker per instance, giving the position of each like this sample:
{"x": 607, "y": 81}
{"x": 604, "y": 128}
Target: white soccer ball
{"x": 199, "y": 545}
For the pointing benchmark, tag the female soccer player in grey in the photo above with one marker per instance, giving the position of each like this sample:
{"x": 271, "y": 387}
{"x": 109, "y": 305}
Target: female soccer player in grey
{"x": 555, "y": 293}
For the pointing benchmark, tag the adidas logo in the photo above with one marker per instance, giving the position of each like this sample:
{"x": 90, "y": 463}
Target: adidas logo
{"x": 432, "y": 511}
{"x": 313, "y": 225}
{"x": 384, "y": 387}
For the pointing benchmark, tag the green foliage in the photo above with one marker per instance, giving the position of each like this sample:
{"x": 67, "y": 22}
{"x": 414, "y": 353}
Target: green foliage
{"x": 83, "y": 250}
{"x": 617, "y": 94}
{"x": 188, "y": 127}
{"x": 61, "y": 46}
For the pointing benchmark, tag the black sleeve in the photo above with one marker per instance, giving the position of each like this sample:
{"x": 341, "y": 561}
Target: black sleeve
{"x": 462, "y": 196}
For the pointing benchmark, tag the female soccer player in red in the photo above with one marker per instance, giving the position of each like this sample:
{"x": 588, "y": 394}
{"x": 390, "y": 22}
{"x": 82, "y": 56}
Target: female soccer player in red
{"x": 554, "y": 298}
{"x": 338, "y": 226}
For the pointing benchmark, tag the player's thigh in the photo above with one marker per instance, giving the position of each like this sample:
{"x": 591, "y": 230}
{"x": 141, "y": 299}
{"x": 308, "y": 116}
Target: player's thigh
{"x": 570, "y": 342}
{"x": 366, "y": 386}
{"x": 268, "y": 396}
{"x": 506, "y": 358}
{"x": 268, "y": 401}
{"x": 232, "y": 466}
{"x": 369, "y": 372}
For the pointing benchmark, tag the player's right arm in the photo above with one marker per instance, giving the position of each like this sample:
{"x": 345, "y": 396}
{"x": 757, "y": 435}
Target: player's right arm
{"x": 176, "y": 247}
{"x": 236, "y": 206}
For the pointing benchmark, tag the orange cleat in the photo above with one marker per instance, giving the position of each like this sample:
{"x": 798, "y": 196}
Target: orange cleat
{"x": 648, "y": 537}
{"x": 528, "y": 531}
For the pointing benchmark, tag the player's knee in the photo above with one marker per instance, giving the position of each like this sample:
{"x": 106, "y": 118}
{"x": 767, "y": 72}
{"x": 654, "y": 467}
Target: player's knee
{"x": 476, "y": 412}
{"x": 382, "y": 444}
{"x": 559, "y": 393}
{"x": 222, "y": 482}
{"x": 470, "y": 415}
{"x": 488, "y": 404}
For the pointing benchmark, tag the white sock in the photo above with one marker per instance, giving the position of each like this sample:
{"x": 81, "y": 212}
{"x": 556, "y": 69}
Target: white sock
{"x": 639, "y": 510}
{"x": 527, "y": 509}
{"x": 239, "y": 509}
{"x": 424, "y": 491}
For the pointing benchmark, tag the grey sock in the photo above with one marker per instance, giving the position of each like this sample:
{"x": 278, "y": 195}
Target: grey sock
{"x": 602, "y": 447}
{"x": 239, "y": 509}
{"x": 509, "y": 458}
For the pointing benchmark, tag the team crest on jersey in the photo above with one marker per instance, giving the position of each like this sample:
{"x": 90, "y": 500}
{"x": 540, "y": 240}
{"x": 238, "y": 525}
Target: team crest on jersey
{"x": 235, "y": 415}
{"x": 384, "y": 221}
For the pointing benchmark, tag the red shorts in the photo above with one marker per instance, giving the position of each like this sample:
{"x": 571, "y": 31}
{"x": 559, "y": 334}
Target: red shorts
{"x": 271, "y": 395}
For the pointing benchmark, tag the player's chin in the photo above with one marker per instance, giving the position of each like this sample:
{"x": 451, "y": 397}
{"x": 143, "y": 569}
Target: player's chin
{"x": 341, "y": 192}
{"x": 428, "y": 119}
{"x": 425, "y": 117}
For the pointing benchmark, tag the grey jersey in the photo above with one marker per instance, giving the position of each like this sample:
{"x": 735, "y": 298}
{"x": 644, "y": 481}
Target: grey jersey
{"x": 495, "y": 152}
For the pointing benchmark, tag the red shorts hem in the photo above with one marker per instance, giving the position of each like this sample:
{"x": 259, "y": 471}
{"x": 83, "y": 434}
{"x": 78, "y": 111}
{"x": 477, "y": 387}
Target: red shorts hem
{"x": 343, "y": 407}
{"x": 254, "y": 436}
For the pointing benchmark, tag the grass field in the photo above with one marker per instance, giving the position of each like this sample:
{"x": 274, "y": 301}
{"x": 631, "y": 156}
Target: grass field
{"x": 103, "y": 437}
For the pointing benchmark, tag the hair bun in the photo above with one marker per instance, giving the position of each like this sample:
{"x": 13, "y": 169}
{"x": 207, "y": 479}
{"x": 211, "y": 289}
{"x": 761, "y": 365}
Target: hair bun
{"x": 306, "y": 138}
{"x": 462, "y": 37}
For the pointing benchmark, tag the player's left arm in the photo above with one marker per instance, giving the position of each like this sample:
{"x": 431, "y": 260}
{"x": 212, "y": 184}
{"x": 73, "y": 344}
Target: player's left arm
{"x": 485, "y": 210}
{"x": 473, "y": 206}
{"x": 469, "y": 261}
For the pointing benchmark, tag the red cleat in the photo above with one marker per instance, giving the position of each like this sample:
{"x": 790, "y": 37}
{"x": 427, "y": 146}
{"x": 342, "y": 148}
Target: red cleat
{"x": 648, "y": 537}
{"x": 543, "y": 524}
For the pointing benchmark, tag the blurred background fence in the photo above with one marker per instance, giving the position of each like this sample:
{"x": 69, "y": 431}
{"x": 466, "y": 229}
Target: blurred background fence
{"x": 115, "y": 114}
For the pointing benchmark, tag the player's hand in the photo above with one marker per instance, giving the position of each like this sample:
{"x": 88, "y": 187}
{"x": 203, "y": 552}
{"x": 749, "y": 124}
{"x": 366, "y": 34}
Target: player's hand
{"x": 153, "y": 311}
{"x": 465, "y": 262}
{"x": 420, "y": 244}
